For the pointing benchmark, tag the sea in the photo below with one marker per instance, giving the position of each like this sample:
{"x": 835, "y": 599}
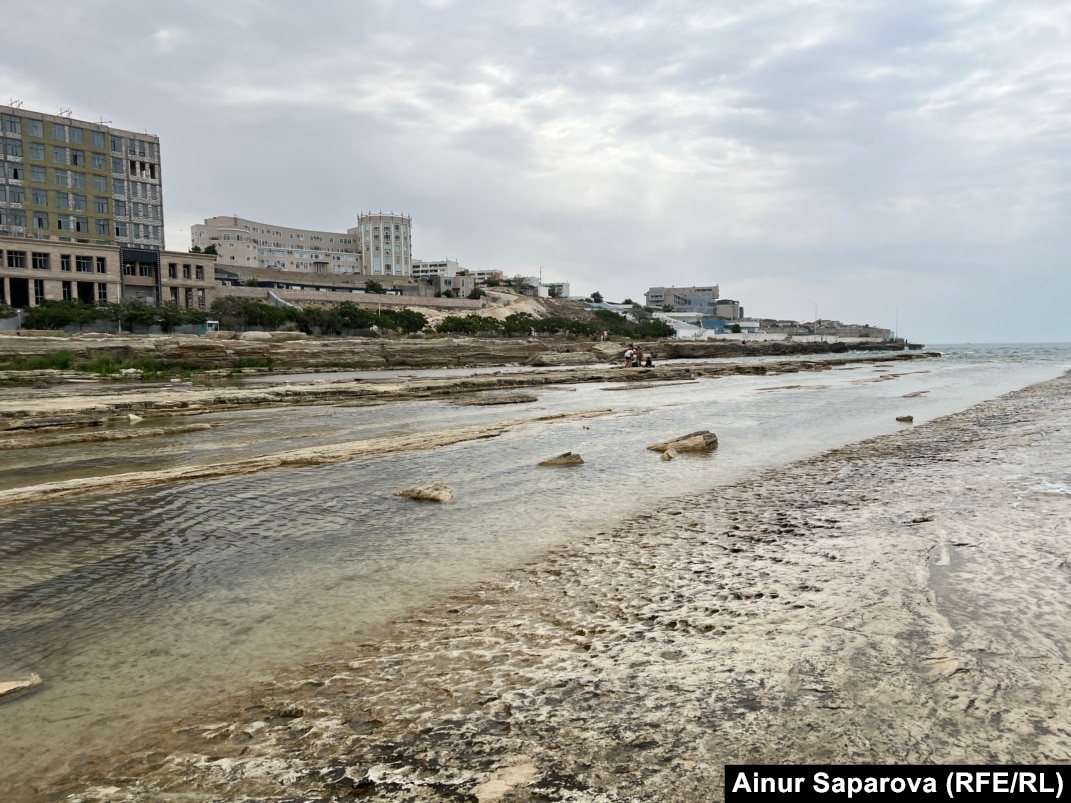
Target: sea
{"x": 135, "y": 607}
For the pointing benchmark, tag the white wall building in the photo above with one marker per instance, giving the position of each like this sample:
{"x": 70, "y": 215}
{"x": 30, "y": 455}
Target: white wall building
{"x": 248, "y": 243}
{"x": 385, "y": 244}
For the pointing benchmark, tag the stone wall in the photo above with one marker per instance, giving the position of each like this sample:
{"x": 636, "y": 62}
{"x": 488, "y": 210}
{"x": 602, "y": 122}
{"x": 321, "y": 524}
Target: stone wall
{"x": 298, "y": 297}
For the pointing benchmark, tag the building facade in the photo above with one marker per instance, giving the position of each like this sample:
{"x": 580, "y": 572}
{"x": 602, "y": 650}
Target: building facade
{"x": 35, "y": 270}
{"x": 79, "y": 182}
{"x": 242, "y": 243}
{"x": 385, "y": 243}
{"x": 683, "y": 299}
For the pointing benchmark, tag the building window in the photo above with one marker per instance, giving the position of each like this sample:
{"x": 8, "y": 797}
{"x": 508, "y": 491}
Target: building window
{"x": 117, "y": 144}
{"x": 200, "y": 298}
{"x": 65, "y": 262}
{"x": 16, "y": 195}
{"x": 12, "y": 170}
{"x": 100, "y": 205}
{"x": 75, "y": 135}
{"x": 145, "y": 270}
{"x": 37, "y": 128}
{"x": 40, "y": 261}
{"x": 81, "y": 203}
{"x": 40, "y": 220}
{"x": 97, "y": 160}
{"x": 40, "y": 197}
{"x": 59, "y": 155}
{"x": 16, "y": 259}
{"x": 83, "y": 264}
{"x": 63, "y": 200}
{"x": 96, "y": 139}
{"x": 68, "y": 291}
{"x": 172, "y": 270}
{"x": 59, "y": 131}
{"x": 37, "y": 150}
{"x": 38, "y": 291}
{"x": 101, "y": 225}
{"x": 199, "y": 272}
{"x": 62, "y": 177}
{"x": 118, "y": 186}
{"x": 129, "y": 269}
{"x": 102, "y": 264}
{"x": 13, "y": 147}
{"x": 100, "y": 184}
{"x": 120, "y": 229}
{"x": 81, "y": 223}
{"x": 78, "y": 179}
{"x": 78, "y": 157}
{"x": 37, "y": 173}
{"x": 120, "y": 208}
{"x": 117, "y": 165}
{"x": 185, "y": 271}
{"x": 102, "y": 292}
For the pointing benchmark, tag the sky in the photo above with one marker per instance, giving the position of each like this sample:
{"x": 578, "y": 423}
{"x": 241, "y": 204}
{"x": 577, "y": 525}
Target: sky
{"x": 900, "y": 164}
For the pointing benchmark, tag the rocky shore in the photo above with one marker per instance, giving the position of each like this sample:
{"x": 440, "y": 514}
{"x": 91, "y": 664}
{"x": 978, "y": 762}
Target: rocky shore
{"x": 898, "y": 600}
{"x": 57, "y": 400}
{"x": 223, "y": 350}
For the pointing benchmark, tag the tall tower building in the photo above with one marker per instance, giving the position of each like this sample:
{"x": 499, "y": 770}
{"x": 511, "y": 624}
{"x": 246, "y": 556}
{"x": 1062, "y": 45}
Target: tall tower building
{"x": 78, "y": 181}
{"x": 385, "y": 244}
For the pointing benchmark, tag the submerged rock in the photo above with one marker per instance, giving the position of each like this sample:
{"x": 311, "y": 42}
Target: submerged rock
{"x": 700, "y": 441}
{"x": 564, "y": 459}
{"x": 428, "y": 492}
{"x": 504, "y": 398}
{"x": 669, "y": 454}
{"x": 10, "y": 686}
{"x": 905, "y": 419}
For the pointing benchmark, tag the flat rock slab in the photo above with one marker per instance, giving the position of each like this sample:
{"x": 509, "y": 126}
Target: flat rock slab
{"x": 511, "y": 398}
{"x": 428, "y": 492}
{"x": 564, "y": 459}
{"x": 11, "y": 686}
{"x": 701, "y": 441}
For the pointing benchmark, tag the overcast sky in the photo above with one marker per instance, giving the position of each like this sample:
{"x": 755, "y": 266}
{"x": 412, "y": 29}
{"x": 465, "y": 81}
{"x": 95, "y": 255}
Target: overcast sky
{"x": 875, "y": 161}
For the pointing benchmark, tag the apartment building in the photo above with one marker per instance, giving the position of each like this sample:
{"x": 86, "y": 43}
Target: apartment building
{"x": 385, "y": 243}
{"x": 78, "y": 181}
{"x": 684, "y": 299}
{"x": 34, "y": 270}
{"x": 242, "y": 243}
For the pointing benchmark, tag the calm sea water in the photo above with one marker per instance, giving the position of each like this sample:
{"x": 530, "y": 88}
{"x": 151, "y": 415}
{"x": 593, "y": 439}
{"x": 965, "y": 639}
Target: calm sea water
{"x": 139, "y": 605}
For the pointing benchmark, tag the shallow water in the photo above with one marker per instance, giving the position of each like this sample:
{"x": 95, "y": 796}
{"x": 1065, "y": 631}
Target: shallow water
{"x": 138, "y": 605}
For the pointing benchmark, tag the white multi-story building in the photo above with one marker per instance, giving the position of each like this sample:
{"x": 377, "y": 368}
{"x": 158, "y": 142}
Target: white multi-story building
{"x": 425, "y": 269}
{"x": 385, "y": 244}
{"x": 684, "y": 299}
{"x": 247, "y": 243}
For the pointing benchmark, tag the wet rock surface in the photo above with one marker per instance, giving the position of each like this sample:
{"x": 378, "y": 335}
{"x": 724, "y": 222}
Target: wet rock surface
{"x": 565, "y": 459}
{"x": 428, "y": 492}
{"x": 865, "y": 606}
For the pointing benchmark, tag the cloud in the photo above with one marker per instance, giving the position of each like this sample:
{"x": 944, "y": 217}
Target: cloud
{"x": 921, "y": 148}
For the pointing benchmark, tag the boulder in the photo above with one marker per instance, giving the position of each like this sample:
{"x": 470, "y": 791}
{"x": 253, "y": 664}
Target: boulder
{"x": 428, "y": 492}
{"x": 701, "y": 441}
{"x": 565, "y": 459}
{"x": 669, "y": 454}
{"x": 905, "y": 419}
{"x": 255, "y": 336}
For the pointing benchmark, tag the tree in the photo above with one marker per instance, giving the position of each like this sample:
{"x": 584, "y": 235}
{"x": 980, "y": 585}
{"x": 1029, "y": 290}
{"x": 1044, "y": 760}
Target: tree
{"x": 477, "y": 293}
{"x": 372, "y": 286}
{"x": 667, "y": 308}
{"x": 211, "y": 249}
{"x": 735, "y": 328}
{"x": 596, "y": 297}
{"x": 629, "y": 301}
{"x": 252, "y": 283}
{"x": 195, "y": 250}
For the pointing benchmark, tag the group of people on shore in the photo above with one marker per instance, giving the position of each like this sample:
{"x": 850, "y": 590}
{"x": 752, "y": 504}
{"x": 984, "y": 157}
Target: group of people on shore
{"x": 634, "y": 357}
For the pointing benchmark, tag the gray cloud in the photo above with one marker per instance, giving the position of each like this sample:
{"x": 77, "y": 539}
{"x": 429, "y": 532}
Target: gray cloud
{"x": 869, "y": 155}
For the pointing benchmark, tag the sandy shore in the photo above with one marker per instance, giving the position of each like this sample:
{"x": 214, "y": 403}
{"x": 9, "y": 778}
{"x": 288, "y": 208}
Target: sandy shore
{"x": 899, "y": 600}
